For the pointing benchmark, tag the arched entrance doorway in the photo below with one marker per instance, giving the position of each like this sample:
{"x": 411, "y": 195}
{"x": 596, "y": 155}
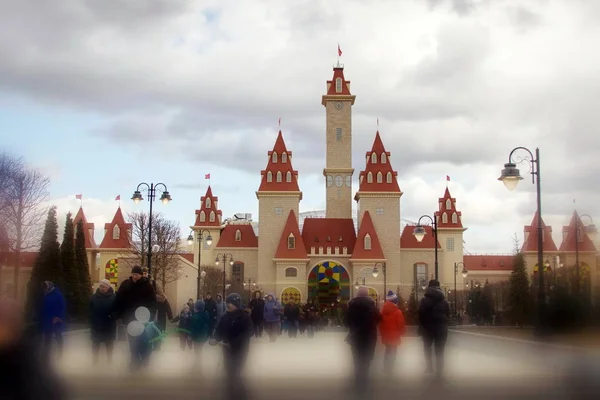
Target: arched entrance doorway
{"x": 290, "y": 293}
{"x": 329, "y": 283}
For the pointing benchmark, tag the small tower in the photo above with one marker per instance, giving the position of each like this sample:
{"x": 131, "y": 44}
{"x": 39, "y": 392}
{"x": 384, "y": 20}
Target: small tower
{"x": 530, "y": 244}
{"x": 338, "y": 170}
{"x": 277, "y": 195}
{"x": 450, "y": 238}
{"x": 208, "y": 221}
{"x": 116, "y": 244}
{"x": 379, "y": 194}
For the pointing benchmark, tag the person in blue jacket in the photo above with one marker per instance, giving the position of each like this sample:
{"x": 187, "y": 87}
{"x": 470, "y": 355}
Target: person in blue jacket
{"x": 53, "y": 314}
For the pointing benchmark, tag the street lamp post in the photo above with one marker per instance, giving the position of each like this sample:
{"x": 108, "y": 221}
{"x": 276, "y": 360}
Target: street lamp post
{"x": 419, "y": 233}
{"x": 222, "y": 257}
{"x": 465, "y": 273}
{"x": 357, "y": 284}
{"x": 202, "y": 276}
{"x": 580, "y": 227}
{"x": 511, "y": 176}
{"x": 190, "y": 241}
{"x": 376, "y": 273}
{"x": 165, "y": 198}
{"x": 250, "y": 285}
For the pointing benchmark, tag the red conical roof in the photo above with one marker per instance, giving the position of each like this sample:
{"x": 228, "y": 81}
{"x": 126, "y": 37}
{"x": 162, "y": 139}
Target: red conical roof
{"x": 449, "y": 212}
{"x": 90, "y": 243}
{"x": 530, "y": 244}
{"x": 279, "y": 176}
{"x": 379, "y": 175}
{"x": 208, "y": 214}
{"x": 360, "y": 252}
{"x": 338, "y": 73}
{"x": 286, "y": 248}
{"x": 568, "y": 243}
{"x": 231, "y": 238}
{"x": 120, "y": 241}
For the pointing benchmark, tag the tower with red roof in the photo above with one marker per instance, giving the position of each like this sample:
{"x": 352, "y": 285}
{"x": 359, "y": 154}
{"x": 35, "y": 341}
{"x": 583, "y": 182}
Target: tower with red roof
{"x": 208, "y": 222}
{"x": 577, "y": 244}
{"x": 450, "y": 236}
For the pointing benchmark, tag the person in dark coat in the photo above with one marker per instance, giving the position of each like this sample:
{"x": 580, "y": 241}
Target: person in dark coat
{"x": 257, "y": 313}
{"x": 234, "y": 332}
{"x": 133, "y": 293}
{"x": 103, "y": 326}
{"x": 221, "y": 308}
{"x": 211, "y": 307}
{"x": 152, "y": 281}
{"x": 291, "y": 315}
{"x": 434, "y": 312}
{"x": 362, "y": 319}
{"x": 164, "y": 313}
{"x": 184, "y": 319}
{"x": 52, "y": 317}
{"x": 311, "y": 312}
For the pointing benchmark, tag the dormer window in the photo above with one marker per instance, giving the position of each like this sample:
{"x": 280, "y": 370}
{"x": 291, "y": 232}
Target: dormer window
{"x": 288, "y": 176}
{"x": 279, "y": 177}
{"x": 291, "y": 241}
{"x": 212, "y": 216}
{"x": 283, "y": 157}
{"x": 274, "y": 157}
{"x": 116, "y": 232}
{"x": 388, "y": 177}
{"x": 373, "y": 158}
{"x": 207, "y": 202}
{"x": 444, "y": 218}
{"x": 454, "y": 218}
{"x": 202, "y": 216}
{"x": 367, "y": 242}
{"x": 369, "y": 177}
{"x": 448, "y": 204}
{"x": 338, "y": 85}
{"x": 238, "y": 236}
{"x": 383, "y": 158}
{"x": 379, "y": 177}
{"x": 269, "y": 176}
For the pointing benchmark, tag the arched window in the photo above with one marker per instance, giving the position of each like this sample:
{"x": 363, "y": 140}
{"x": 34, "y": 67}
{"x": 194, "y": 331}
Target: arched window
{"x": 202, "y": 216}
{"x": 283, "y": 157}
{"x": 291, "y": 241}
{"x": 288, "y": 176}
{"x": 338, "y": 85}
{"x": 448, "y": 204}
{"x": 291, "y": 272}
{"x": 279, "y": 176}
{"x": 454, "y": 218}
{"x": 373, "y": 158}
{"x": 116, "y": 232}
{"x": 383, "y": 158}
{"x": 379, "y": 177}
{"x": 367, "y": 242}
{"x": 444, "y": 218}
{"x": 269, "y": 176}
{"x": 238, "y": 236}
{"x": 388, "y": 177}
{"x": 370, "y": 177}
{"x": 212, "y": 216}
{"x": 207, "y": 202}
{"x": 274, "y": 157}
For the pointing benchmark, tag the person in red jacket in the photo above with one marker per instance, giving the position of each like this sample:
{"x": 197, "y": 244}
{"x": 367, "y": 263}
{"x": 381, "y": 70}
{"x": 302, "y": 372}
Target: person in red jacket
{"x": 392, "y": 328}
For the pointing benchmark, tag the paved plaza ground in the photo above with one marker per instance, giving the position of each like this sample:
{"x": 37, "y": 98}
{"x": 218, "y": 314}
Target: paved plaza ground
{"x": 319, "y": 368}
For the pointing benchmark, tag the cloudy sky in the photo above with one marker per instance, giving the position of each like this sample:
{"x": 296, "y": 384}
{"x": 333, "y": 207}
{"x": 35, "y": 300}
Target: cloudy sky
{"x": 103, "y": 95}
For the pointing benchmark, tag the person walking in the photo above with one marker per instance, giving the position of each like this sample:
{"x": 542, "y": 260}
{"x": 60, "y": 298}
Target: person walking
{"x": 257, "y": 313}
{"x": 164, "y": 313}
{"x": 234, "y": 331}
{"x": 184, "y": 319}
{"x": 52, "y": 317}
{"x": 133, "y": 293}
{"x": 291, "y": 315}
{"x": 272, "y": 317}
{"x": 310, "y": 314}
{"x": 362, "y": 319}
{"x": 199, "y": 329}
{"x": 211, "y": 308}
{"x": 220, "y": 308}
{"x": 103, "y": 326}
{"x": 434, "y": 311}
{"x": 391, "y": 328}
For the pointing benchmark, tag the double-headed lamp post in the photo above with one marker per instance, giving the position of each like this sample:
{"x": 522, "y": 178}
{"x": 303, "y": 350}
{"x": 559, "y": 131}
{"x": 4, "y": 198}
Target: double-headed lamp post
{"x": 419, "y": 232}
{"x": 376, "y": 274}
{"x": 223, "y": 257}
{"x": 250, "y": 285}
{"x": 201, "y": 239}
{"x": 358, "y": 283}
{"x": 580, "y": 230}
{"x": 511, "y": 176}
{"x": 137, "y": 198}
{"x": 465, "y": 273}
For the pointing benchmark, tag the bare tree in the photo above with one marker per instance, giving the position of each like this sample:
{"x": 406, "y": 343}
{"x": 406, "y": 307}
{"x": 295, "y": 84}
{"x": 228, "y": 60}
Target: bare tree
{"x": 166, "y": 234}
{"x": 22, "y": 194}
{"x": 213, "y": 280}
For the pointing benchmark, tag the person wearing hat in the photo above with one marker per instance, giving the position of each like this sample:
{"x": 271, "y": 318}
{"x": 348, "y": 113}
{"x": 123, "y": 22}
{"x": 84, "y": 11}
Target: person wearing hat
{"x": 234, "y": 332}
{"x": 434, "y": 312}
{"x": 103, "y": 326}
{"x": 391, "y": 328}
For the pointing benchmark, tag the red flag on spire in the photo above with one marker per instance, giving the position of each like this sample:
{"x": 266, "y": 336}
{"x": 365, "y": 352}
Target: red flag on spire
{"x": 118, "y": 198}
{"x": 78, "y": 196}
{"x": 206, "y": 176}
{"x": 339, "y": 51}
{"x": 447, "y": 178}
{"x": 279, "y": 122}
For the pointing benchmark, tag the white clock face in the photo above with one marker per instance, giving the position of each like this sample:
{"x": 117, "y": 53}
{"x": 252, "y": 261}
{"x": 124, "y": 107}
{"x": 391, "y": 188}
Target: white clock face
{"x": 329, "y": 180}
{"x": 339, "y": 181}
{"x": 348, "y": 181}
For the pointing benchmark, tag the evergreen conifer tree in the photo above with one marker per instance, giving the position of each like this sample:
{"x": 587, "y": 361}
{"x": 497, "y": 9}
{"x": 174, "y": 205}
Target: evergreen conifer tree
{"x": 83, "y": 271}
{"x": 69, "y": 270}
{"x": 520, "y": 300}
{"x": 413, "y": 308}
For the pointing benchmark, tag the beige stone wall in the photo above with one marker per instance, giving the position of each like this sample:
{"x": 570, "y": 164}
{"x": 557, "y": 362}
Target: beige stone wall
{"x": 184, "y": 288}
{"x": 447, "y": 257}
{"x": 246, "y": 255}
{"x": 270, "y": 228}
{"x": 299, "y": 282}
{"x": 409, "y": 258}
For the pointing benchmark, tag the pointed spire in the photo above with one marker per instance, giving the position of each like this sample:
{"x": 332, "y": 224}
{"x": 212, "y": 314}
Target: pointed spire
{"x": 378, "y": 176}
{"x": 338, "y": 85}
{"x": 531, "y": 236}
{"x": 367, "y": 245}
{"x": 448, "y": 215}
{"x": 291, "y": 245}
{"x": 209, "y": 213}
{"x": 117, "y": 233}
{"x": 279, "y": 175}
{"x": 88, "y": 229}
{"x": 576, "y": 229}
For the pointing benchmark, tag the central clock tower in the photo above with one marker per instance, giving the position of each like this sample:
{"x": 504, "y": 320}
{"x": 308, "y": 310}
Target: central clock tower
{"x": 338, "y": 171}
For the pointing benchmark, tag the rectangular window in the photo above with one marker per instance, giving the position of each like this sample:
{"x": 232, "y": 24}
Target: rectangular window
{"x": 278, "y": 211}
{"x": 291, "y": 242}
{"x": 379, "y": 211}
{"x": 338, "y": 134}
{"x": 450, "y": 244}
{"x": 421, "y": 275}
